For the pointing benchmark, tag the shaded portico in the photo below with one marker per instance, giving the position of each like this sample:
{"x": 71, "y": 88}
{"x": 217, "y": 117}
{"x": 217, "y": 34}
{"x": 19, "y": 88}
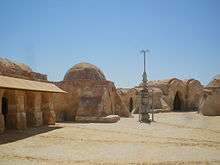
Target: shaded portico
{"x": 26, "y": 103}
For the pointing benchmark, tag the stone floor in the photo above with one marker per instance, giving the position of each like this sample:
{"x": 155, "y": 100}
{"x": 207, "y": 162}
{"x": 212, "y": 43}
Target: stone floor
{"x": 175, "y": 138}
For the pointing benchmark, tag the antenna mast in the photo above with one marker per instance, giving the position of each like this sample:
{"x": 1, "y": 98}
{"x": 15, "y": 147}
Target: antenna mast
{"x": 144, "y": 109}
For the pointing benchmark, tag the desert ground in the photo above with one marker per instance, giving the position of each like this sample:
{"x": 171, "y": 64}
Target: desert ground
{"x": 174, "y": 138}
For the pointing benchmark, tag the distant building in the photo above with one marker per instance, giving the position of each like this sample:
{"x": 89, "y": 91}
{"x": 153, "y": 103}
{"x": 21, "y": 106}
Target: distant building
{"x": 210, "y": 103}
{"x": 166, "y": 95}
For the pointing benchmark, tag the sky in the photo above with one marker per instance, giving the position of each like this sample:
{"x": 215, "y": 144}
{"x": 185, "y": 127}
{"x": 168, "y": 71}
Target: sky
{"x": 51, "y": 36}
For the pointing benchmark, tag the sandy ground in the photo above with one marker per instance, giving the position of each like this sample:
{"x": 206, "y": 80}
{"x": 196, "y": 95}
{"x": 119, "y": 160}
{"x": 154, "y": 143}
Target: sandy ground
{"x": 175, "y": 138}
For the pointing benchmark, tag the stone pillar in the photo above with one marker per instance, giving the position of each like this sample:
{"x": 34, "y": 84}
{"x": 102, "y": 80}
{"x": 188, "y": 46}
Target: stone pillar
{"x": 49, "y": 116}
{"x": 20, "y": 111}
{"x": 2, "y": 123}
{"x": 34, "y": 109}
{"x": 37, "y": 113}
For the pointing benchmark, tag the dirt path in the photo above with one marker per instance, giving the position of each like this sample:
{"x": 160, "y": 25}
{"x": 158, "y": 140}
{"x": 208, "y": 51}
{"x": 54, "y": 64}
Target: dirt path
{"x": 175, "y": 138}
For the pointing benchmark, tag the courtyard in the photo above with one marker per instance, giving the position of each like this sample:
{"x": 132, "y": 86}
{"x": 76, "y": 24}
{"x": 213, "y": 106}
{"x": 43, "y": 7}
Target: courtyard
{"x": 175, "y": 138}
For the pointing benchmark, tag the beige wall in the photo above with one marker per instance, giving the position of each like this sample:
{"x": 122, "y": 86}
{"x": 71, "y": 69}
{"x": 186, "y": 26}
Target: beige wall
{"x": 189, "y": 91}
{"x": 210, "y": 103}
{"x": 88, "y": 98}
{"x": 26, "y": 108}
{"x": 2, "y": 123}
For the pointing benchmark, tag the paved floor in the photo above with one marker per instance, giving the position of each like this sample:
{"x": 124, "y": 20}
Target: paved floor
{"x": 175, "y": 138}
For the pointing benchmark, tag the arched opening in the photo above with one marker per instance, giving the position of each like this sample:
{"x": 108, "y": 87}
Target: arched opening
{"x": 5, "y": 109}
{"x": 131, "y": 106}
{"x": 177, "y": 104}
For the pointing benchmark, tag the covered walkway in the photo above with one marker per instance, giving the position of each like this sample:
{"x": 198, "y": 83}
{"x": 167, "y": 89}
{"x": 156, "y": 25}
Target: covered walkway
{"x": 26, "y": 103}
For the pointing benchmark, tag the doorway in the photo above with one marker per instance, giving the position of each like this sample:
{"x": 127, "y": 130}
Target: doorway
{"x": 177, "y": 103}
{"x": 131, "y": 106}
{"x": 5, "y": 109}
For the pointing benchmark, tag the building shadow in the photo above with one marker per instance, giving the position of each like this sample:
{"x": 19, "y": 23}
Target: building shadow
{"x": 60, "y": 122}
{"x": 12, "y": 135}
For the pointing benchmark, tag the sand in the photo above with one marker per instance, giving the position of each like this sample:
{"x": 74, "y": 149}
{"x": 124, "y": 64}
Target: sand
{"x": 175, "y": 138}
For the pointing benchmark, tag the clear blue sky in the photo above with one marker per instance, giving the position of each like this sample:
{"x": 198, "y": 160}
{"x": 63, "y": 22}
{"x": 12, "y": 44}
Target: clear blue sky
{"x": 53, "y": 35}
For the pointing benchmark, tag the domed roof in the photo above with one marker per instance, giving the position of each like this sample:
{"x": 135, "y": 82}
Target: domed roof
{"x": 12, "y": 65}
{"x": 215, "y": 81}
{"x": 84, "y": 71}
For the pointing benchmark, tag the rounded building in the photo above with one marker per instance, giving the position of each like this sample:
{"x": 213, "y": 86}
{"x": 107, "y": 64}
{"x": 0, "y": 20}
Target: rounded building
{"x": 84, "y": 71}
{"x": 215, "y": 82}
{"x": 90, "y": 96}
{"x": 210, "y": 104}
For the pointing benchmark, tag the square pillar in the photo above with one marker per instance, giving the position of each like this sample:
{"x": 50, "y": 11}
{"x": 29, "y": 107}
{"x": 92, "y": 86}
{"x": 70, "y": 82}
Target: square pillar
{"x": 49, "y": 116}
{"x": 21, "y": 122}
{"x": 34, "y": 112}
{"x": 2, "y": 122}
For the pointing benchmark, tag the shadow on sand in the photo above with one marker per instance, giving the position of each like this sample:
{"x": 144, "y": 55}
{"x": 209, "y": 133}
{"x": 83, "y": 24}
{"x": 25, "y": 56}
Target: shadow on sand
{"x": 14, "y": 135}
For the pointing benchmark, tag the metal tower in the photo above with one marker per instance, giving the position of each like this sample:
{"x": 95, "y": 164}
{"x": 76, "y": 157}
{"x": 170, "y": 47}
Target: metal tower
{"x": 145, "y": 109}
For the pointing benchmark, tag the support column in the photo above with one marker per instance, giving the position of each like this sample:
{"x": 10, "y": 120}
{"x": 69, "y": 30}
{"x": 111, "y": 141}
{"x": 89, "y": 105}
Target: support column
{"x": 2, "y": 123}
{"x": 49, "y": 116}
{"x": 34, "y": 109}
{"x": 20, "y": 111}
{"x": 37, "y": 113}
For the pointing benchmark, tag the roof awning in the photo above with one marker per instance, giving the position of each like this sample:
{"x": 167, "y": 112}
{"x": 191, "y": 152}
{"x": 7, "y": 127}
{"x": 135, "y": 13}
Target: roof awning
{"x": 22, "y": 84}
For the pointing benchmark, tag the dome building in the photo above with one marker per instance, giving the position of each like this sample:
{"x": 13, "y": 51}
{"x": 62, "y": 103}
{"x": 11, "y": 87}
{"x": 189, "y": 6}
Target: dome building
{"x": 84, "y": 71}
{"x": 90, "y": 96}
{"x": 166, "y": 95}
{"x": 215, "y": 82}
{"x": 210, "y": 105}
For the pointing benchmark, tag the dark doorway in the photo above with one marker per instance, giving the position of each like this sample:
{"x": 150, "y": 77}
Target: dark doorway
{"x": 63, "y": 116}
{"x": 5, "y": 109}
{"x": 131, "y": 106}
{"x": 177, "y": 103}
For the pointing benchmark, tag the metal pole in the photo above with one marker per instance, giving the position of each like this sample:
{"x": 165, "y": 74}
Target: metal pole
{"x": 144, "y": 53}
{"x": 144, "y": 74}
{"x": 145, "y": 109}
{"x": 152, "y": 104}
{"x": 144, "y": 61}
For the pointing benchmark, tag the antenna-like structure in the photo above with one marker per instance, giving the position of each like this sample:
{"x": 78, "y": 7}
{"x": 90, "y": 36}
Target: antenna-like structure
{"x": 144, "y": 73}
{"x": 144, "y": 109}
